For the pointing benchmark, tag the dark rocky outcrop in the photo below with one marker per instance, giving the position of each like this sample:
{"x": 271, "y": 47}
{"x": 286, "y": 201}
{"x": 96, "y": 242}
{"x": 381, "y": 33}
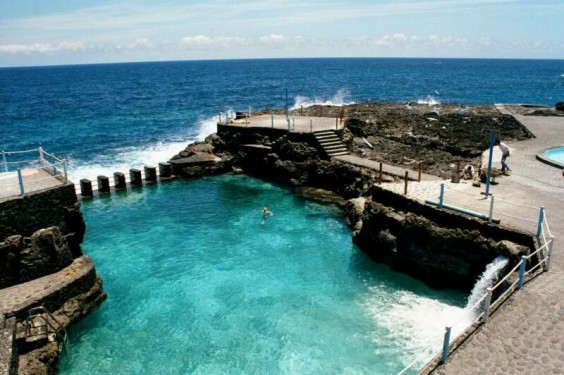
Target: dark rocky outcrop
{"x": 27, "y": 258}
{"x": 441, "y": 256}
{"x": 559, "y": 106}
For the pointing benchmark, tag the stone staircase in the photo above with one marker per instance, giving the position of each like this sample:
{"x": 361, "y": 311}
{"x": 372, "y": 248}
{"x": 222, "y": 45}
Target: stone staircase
{"x": 330, "y": 143}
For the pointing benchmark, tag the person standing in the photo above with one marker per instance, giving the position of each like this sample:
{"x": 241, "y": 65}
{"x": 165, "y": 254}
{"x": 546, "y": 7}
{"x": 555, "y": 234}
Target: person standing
{"x": 505, "y": 153}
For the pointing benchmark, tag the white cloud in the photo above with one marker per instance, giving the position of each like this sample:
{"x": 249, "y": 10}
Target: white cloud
{"x": 41, "y": 48}
{"x": 202, "y": 41}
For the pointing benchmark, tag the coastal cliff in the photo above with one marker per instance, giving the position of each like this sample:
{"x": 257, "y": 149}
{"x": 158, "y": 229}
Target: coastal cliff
{"x": 444, "y": 249}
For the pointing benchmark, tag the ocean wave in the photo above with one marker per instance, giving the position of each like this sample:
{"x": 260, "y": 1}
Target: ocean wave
{"x": 342, "y": 97}
{"x": 429, "y": 100}
{"x": 123, "y": 159}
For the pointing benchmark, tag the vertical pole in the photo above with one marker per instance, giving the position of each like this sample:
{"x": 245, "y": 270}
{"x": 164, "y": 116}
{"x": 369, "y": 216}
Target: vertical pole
{"x": 380, "y": 174}
{"x": 41, "y": 158}
{"x": 272, "y": 121}
{"x": 489, "y": 173}
{"x": 293, "y": 123}
{"x": 336, "y": 123}
{"x": 4, "y": 160}
{"x": 219, "y": 117}
{"x": 487, "y": 304}
{"x": 20, "y": 181}
{"x": 442, "y": 196}
{"x": 490, "y": 217}
{"x": 522, "y": 272}
{"x": 65, "y": 171}
{"x": 549, "y": 255}
{"x": 249, "y": 111}
{"x": 301, "y": 110}
{"x": 541, "y": 219}
{"x": 420, "y": 168}
{"x": 446, "y": 343}
{"x": 310, "y": 125}
{"x": 405, "y": 183}
{"x": 458, "y": 167}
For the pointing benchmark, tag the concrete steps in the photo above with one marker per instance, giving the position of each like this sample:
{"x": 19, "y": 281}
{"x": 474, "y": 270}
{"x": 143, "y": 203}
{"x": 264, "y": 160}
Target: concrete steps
{"x": 330, "y": 143}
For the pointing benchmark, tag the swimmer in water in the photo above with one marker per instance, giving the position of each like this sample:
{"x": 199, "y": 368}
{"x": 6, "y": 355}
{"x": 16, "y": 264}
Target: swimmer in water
{"x": 266, "y": 213}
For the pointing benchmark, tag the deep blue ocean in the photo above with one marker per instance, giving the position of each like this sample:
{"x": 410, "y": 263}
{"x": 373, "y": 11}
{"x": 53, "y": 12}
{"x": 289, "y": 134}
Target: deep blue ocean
{"x": 197, "y": 281}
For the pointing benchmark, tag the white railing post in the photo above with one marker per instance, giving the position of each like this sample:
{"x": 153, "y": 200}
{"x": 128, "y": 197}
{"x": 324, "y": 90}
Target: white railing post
{"x": 522, "y": 272}
{"x": 549, "y": 254}
{"x": 541, "y": 219}
{"x": 20, "y": 181}
{"x": 487, "y": 304}
{"x": 446, "y": 343}
{"x": 272, "y": 121}
{"x": 490, "y": 217}
{"x": 65, "y": 171}
{"x": 442, "y": 196}
{"x": 293, "y": 123}
{"x": 41, "y": 158}
{"x": 5, "y": 161}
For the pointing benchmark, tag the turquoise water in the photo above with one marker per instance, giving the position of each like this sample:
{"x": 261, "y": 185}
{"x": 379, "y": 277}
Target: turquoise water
{"x": 555, "y": 154}
{"x": 199, "y": 283}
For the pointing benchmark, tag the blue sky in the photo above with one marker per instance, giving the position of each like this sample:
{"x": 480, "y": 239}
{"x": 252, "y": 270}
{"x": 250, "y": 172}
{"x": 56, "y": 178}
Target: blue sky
{"x": 45, "y": 32}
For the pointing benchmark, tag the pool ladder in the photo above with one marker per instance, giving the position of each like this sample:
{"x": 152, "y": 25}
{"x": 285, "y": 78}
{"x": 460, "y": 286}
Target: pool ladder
{"x": 41, "y": 325}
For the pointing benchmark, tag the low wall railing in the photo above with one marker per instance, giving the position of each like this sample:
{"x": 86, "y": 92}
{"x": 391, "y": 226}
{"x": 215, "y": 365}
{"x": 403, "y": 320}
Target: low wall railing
{"x": 228, "y": 118}
{"x": 477, "y": 314}
{"x": 19, "y": 161}
{"x": 490, "y": 209}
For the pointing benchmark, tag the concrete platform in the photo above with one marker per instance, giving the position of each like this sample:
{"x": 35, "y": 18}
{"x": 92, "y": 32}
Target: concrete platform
{"x": 33, "y": 180}
{"x": 299, "y": 124}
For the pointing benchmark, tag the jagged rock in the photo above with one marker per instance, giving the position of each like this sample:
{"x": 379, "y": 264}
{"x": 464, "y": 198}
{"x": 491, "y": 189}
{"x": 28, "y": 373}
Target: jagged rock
{"x": 560, "y": 106}
{"x": 354, "y": 209}
{"x": 46, "y": 252}
{"x": 320, "y": 195}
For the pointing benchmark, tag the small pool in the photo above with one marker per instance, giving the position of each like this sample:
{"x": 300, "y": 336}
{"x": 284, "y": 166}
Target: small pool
{"x": 553, "y": 156}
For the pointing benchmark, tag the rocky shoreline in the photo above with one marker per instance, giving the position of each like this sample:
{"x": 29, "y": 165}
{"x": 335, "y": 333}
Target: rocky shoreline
{"x": 443, "y": 249}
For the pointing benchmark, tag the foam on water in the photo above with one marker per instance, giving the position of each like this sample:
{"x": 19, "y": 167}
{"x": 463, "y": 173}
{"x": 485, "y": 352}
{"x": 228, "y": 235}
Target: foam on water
{"x": 342, "y": 97}
{"x": 122, "y": 159}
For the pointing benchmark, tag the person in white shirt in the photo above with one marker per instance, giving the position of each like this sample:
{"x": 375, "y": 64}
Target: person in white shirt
{"x": 505, "y": 153}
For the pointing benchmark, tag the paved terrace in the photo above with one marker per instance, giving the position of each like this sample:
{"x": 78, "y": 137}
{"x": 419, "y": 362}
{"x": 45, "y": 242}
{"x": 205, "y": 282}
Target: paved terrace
{"x": 34, "y": 179}
{"x": 299, "y": 124}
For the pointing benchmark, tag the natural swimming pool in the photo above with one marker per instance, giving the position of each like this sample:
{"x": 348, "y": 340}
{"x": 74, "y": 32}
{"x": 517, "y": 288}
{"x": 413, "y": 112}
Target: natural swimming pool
{"x": 199, "y": 282}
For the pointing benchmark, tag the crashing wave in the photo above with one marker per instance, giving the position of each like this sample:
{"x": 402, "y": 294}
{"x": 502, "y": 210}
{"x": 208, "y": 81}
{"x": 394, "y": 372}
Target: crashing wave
{"x": 122, "y": 159}
{"x": 429, "y": 100}
{"x": 341, "y": 98}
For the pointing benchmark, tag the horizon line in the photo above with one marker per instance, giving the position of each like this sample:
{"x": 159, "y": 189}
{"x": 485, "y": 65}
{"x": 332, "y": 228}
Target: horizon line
{"x": 283, "y": 58}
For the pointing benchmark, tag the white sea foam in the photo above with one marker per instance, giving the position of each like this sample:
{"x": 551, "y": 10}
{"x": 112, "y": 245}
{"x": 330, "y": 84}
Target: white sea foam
{"x": 121, "y": 160}
{"x": 416, "y": 322}
{"x": 342, "y": 97}
{"x": 419, "y": 322}
{"x": 429, "y": 100}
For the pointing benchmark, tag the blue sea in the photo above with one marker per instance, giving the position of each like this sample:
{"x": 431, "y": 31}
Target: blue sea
{"x": 198, "y": 282}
